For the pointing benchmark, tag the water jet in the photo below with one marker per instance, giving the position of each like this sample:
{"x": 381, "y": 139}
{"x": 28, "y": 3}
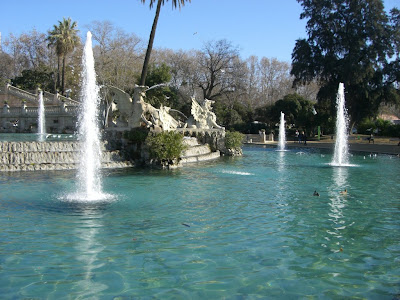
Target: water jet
{"x": 88, "y": 176}
{"x": 282, "y": 134}
{"x": 41, "y": 118}
{"x": 341, "y": 152}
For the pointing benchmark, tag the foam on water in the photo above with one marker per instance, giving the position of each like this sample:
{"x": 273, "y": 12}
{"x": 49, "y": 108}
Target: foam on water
{"x": 237, "y": 173}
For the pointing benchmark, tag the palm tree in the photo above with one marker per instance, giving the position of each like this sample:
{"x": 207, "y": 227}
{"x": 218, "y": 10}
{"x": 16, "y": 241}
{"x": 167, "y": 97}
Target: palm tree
{"x": 64, "y": 38}
{"x": 175, "y": 3}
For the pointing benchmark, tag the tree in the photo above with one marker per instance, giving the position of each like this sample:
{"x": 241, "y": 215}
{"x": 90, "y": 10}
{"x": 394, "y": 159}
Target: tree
{"x": 218, "y": 67}
{"x": 290, "y": 106}
{"x": 64, "y": 38}
{"x": 27, "y": 51}
{"x": 175, "y": 3}
{"x": 5, "y": 68}
{"x": 275, "y": 79}
{"x": 351, "y": 42}
{"x": 32, "y": 79}
{"x": 117, "y": 55}
{"x": 162, "y": 95}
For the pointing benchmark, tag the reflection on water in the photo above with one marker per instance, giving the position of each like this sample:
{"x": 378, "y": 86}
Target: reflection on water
{"x": 281, "y": 177}
{"x": 340, "y": 175}
{"x": 337, "y": 204}
{"x": 88, "y": 248}
{"x": 281, "y": 161}
{"x": 33, "y": 137}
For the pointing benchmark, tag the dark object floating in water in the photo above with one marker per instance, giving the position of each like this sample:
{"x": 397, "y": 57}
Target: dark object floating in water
{"x": 187, "y": 225}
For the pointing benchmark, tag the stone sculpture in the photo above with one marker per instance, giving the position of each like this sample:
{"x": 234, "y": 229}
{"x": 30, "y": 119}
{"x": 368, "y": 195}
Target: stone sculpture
{"x": 203, "y": 115}
{"x": 122, "y": 103}
{"x": 136, "y": 112}
{"x": 157, "y": 118}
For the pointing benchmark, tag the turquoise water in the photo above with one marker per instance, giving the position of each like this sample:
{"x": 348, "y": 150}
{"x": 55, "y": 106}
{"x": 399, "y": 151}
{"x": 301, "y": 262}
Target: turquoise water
{"x": 33, "y": 137}
{"x": 241, "y": 228}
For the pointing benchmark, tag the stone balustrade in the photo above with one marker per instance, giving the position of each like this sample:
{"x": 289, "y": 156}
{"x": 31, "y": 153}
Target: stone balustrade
{"x": 15, "y": 116}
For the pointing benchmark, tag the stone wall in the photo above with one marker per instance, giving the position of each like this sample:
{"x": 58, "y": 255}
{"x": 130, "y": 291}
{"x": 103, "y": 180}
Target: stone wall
{"x": 215, "y": 138}
{"x": 24, "y": 156}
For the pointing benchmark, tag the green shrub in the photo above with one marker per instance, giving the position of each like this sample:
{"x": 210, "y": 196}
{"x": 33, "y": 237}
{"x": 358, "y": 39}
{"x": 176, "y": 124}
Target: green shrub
{"x": 393, "y": 130}
{"x": 167, "y": 145}
{"x": 386, "y": 128}
{"x": 233, "y": 139}
{"x": 136, "y": 135}
{"x": 364, "y": 125}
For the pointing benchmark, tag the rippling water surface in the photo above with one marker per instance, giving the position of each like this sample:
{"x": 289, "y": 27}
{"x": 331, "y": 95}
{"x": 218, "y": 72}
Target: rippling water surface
{"x": 241, "y": 228}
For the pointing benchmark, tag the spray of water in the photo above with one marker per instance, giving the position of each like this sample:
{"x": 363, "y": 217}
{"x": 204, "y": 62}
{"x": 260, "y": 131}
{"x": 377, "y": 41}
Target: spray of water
{"x": 156, "y": 86}
{"x": 341, "y": 154}
{"x": 89, "y": 178}
{"x": 282, "y": 133}
{"x": 41, "y": 118}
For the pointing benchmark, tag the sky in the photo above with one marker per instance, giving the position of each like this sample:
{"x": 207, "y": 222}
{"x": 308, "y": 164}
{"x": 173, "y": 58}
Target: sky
{"x": 264, "y": 28}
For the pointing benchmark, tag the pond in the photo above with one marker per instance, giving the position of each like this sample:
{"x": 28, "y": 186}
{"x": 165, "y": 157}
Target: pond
{"x": 32, "y": 137}
{"x": 246, "y": 227}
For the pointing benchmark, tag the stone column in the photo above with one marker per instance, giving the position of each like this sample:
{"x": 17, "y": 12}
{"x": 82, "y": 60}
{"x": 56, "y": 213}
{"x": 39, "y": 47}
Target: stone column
{"x": 63, "y": 107}
{"x": 23, "y": 108}
{"x": 263, "y": 137}
{"x": 6, "y": 91}
{"x": 271, "y": 137}
{"x": 6, "y": 109}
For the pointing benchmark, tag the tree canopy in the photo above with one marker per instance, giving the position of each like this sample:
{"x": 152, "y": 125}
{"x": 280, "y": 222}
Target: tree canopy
{"x": 64, "y": 39}
{"x": 160, "y": 3}
{"x": 354, "y": 42}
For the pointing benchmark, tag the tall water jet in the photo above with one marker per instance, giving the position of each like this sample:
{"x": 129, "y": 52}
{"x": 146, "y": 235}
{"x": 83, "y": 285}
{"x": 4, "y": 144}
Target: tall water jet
{"x": 282, "y": 133}
{"x": 341, "y": 154}
{"x": 41, "y": 118}
{"x": 89, "y": 179}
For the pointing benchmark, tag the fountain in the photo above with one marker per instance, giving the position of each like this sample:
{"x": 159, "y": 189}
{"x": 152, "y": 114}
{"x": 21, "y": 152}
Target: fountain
{"x": 100, "y": 250}
{"x": 341, "y": 153}
{"x": 41, "y": 118}
{"x": 282, "y": 135}
{"x": 88, "y": 177}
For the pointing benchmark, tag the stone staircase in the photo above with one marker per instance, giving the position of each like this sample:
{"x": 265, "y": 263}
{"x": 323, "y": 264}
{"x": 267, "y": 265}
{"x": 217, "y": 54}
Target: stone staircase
{"x": 12, "y": 94}
{"x": 196, "y": 152}
{"x": 31, "y": 156}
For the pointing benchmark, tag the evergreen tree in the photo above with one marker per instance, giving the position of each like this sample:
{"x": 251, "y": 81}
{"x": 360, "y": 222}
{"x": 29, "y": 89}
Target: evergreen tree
{"x": 64, "y": 38}
{"x": 353, "y": 42}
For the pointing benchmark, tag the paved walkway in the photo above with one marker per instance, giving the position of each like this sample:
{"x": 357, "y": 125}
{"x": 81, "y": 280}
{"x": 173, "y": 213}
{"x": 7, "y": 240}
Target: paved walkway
{"x": 381, "y": 145}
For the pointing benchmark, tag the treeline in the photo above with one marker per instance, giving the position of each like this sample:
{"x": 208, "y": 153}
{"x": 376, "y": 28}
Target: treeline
{"x": 356, "y": 43}
{"x": 241, "y": 88}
